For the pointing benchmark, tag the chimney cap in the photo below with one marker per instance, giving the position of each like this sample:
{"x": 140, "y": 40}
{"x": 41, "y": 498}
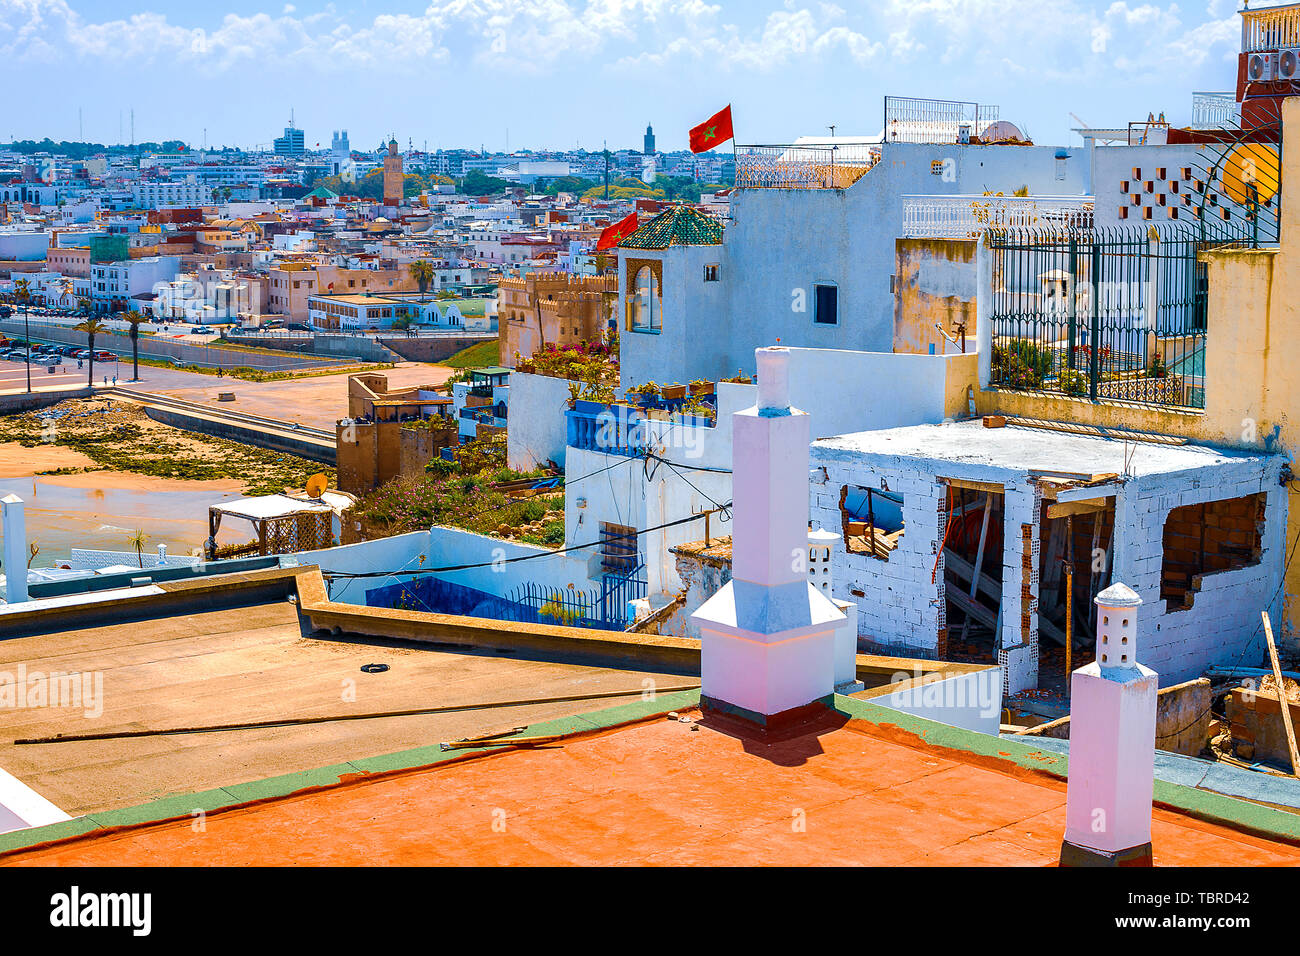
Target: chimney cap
{"x": 1118, "y": 595}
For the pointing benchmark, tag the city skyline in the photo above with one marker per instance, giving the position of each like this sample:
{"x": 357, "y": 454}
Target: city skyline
{"x": 458, "y": 75}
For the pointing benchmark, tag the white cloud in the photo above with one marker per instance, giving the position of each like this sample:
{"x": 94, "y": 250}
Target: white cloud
{"x": 1068, "y": 39}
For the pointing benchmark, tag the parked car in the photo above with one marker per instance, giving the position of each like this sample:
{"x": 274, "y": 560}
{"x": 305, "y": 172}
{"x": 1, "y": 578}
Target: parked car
{"x": 204, "y": 330}
{"x": 102, "y": 356}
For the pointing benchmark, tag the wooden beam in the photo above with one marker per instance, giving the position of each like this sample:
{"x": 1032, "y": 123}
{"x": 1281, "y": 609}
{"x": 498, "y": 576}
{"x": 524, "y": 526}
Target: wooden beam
{"x": 988, "y": 487}
{"x": 1065, "y": 508}
{"x": 973, "y": 608}
{"x": 965, "y": 570}
{"x": 1284, "y": 704}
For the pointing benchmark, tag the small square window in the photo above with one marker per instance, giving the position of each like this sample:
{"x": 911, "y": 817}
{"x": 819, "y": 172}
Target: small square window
{"x": 711, "y": 272}
{"x": 826, "y": 304}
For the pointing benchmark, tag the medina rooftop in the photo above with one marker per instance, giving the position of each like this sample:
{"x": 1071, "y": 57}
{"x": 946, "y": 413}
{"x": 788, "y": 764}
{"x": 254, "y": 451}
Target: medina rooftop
{"x": 244, "y": 718}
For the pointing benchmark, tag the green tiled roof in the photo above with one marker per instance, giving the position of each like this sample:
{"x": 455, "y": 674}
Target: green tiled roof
{"x": 676, "y": 226}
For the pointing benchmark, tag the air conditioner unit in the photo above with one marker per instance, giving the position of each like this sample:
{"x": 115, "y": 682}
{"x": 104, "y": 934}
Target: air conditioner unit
{"x": 1288, "y": 64}
{"x": 1262, "y": 67}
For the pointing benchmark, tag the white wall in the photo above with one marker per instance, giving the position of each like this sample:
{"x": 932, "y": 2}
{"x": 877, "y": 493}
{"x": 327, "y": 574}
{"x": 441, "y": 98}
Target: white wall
{"x": 780, "y": 242}
{"x": 445, "y": 547}
{"x": 538, "y": 427}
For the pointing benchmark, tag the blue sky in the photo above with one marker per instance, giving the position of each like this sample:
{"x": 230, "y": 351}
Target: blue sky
{"x": 563, "y": 73}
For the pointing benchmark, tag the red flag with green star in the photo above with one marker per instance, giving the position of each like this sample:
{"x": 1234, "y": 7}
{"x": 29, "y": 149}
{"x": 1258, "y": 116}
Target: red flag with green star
{"x": 714, "y": 131}
{"x": 613, "y": 235}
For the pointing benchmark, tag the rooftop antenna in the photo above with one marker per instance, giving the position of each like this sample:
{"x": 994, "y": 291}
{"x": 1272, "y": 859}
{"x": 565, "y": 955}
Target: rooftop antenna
{"x": 832, "y": 129}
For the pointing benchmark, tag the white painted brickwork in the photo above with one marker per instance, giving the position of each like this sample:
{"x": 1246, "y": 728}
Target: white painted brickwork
{"x": 900, "y": 604}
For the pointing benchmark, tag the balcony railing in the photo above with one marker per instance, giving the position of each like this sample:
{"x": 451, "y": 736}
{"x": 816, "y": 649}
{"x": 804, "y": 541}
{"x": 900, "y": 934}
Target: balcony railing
{"x": 802, "y": 167}
{"x": 1212, "y": 110}
{"x": 966, "y": 217}
{"x": 1270, "y": 29}
{"x": 913, "y": 120}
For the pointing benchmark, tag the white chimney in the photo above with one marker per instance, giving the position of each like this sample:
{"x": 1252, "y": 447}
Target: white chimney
{"x": 1112, "y": 744}
{"x": 820, "y": 545}
{"x": 15, "y": 549}
{"x": 768, "y": 636}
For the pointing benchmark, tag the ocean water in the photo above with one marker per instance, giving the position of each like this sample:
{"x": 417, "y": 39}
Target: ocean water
{"x": 60, "y": 518}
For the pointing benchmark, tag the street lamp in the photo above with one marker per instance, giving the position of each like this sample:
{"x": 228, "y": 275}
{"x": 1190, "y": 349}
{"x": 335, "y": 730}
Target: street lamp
{"x": 27, "y": 343}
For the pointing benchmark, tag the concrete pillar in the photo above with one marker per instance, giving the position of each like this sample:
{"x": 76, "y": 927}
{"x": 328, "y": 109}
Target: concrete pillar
{"x": 15, "y": 548}
{"x": 768, "y": 636}
{"x": 1112, "y": 744}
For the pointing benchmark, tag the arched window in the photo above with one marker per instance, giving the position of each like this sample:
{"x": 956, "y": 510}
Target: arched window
{"x": 646, "y": 304}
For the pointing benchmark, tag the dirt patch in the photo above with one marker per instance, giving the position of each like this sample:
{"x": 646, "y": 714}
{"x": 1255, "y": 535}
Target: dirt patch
{"x": 19, "y": 461}
{"x": 122, "y": 438}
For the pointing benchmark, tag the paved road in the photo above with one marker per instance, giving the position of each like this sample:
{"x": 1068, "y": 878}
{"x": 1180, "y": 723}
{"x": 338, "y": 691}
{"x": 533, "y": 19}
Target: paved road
{"x": 318, "y": 401}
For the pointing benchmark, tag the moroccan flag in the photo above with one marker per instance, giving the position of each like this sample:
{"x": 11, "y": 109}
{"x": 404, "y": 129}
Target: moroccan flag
{"x": 616, "y": 233}
{"x": 714, "y": 131}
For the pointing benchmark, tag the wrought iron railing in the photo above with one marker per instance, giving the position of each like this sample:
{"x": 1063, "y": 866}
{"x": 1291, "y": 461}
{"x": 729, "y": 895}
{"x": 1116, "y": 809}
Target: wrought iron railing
{"x": 802, "y": 167}
{"x": 914, "y": 120}
{"x": 1107, "y": 315}
{"x": 967, "y": 217}
{"x": 1214, "y": 109}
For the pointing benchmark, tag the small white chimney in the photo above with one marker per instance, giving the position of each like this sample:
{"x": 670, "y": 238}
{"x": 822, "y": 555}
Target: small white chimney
{"x": 768, "y": 636}
{"x": 820, "y": 545}
{"x": 15, "y": 548}
{"x": 1112, "y": 744}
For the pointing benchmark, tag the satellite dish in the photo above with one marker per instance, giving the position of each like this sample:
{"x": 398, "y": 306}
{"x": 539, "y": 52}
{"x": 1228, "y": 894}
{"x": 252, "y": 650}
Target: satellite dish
{"x": 1001, "y": 131}
{"x": 1251, "y": 165}
{"x": 316, "y": 485}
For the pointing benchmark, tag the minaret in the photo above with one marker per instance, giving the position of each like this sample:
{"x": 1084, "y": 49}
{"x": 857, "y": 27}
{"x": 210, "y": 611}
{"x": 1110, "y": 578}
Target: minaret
{"x": 768, "y": 636}
{"x": 393, "y": 179}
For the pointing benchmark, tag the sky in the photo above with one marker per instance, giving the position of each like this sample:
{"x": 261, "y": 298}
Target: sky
{"x": 561, "y": 74}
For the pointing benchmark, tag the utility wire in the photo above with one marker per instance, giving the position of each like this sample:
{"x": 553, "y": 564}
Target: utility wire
{"x": 334, "y": 575}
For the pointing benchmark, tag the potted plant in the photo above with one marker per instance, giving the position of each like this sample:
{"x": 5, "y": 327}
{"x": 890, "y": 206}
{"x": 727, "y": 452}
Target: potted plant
{"x": 674, "y": 392}
{"x": 696, "y": 412}
{"x": 644, "y": 395}
{"x": 700, "y": 387}
{"x": 740, "y": 378}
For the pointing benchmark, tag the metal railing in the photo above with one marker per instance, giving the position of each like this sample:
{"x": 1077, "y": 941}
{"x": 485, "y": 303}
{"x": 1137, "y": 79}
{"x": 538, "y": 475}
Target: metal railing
{"x": 914, "y": 120}
{"x": 1270, "y": 28}
{"x": 967, "y": 217}
{"x": 1107, "y": 315}
{"x": 1214, "y": 109}
{"x": 801, "y": 167}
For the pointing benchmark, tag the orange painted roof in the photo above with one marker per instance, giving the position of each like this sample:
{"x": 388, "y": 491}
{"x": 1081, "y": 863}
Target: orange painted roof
{"x": 660, "y": 792}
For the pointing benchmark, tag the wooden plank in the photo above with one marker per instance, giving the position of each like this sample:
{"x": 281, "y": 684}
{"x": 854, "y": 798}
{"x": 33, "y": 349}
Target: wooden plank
{"x": 965, "y": 570}
{"x": 988, "y": 487}
{"x": 1283, "y": 703}
{"x": 973, "y": 608}
{"x": 1065, "y": 508}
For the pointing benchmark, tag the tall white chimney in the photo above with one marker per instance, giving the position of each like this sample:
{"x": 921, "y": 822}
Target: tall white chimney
{"x": 768, "y": 636}
{"x": 1112, "y": 744}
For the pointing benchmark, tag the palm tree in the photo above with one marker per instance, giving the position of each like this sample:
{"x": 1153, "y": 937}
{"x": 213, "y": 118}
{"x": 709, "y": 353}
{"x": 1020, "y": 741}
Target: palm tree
{"x": 23, "y": 296}
{"x": 422, "y": 273}
{"x": 91, "y": 327}
{"x": 133, "y": 319}
{"x": 137, "y": 541}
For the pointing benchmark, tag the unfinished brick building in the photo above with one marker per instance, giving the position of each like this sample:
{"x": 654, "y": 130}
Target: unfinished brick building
{"x": 963, "y": 542}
